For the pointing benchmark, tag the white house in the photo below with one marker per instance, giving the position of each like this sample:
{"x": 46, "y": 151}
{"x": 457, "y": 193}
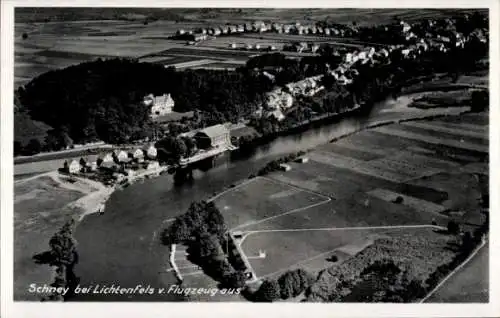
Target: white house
{"x": 152, "y": 165}
{"x": 150, "y": 151}
{"x": 89, "y": 162}
{"x": 72, "y": 166}
{"x": 137, "y": 155}
{"x": 278, "y": 114}
{"x": 160, "y": 105}
{"x": 105, "y": 157}
{"x": 120, "y": 156}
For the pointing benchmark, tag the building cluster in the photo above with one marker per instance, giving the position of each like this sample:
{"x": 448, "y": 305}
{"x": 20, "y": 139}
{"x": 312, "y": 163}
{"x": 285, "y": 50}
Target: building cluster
{"x": 117, "y": 161}
{"x": 301, "y": 47}
{"x": 160, "y": 105}
{"x": 280, "y": 100}
{"x": 201, "y": 34}
{"x": 435, "y": 38}
{"x": 253, "y": 47}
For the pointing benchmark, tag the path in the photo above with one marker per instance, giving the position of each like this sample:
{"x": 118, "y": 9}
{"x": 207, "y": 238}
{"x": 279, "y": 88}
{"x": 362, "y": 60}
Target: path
{"x": 452, "y": 273}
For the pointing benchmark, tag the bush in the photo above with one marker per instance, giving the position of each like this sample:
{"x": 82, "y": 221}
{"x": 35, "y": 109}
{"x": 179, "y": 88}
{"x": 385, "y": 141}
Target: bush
{"x": 268, "y": 291}
{"x": 398, "y": 200}
{"x": 293, "y": 283}
{"x": 453, "y": 227}
{"x": 333, "y": 258}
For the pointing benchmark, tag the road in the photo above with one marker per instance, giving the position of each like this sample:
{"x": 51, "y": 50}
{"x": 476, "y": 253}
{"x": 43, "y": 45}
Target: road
{"x": 467, "y": 283}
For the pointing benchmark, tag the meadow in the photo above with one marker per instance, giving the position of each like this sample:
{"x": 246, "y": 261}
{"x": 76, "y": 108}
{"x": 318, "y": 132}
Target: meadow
{"x": 40, "y": 209}
{"x": 390, "y": 200}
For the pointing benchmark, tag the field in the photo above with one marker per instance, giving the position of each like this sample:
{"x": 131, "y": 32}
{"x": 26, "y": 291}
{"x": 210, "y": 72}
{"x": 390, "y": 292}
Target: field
{"x": 344, "y": 200}
{"x": 471, "y": 281}
{"x": 40, "y": 208}
{"x": 73, "y": 36}
{"x": 42, "y": 204}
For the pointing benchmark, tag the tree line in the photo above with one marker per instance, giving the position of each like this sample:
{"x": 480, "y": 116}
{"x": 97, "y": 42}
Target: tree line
{"x": 203, "y": 230}
{"x": 63, "y": 256}
{"x": 102, "y": 99}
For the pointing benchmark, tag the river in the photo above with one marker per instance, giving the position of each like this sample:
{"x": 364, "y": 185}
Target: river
{"x": 122, "y": 246}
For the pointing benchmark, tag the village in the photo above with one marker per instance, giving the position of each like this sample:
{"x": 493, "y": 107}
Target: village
{"x": 122, "y": 165}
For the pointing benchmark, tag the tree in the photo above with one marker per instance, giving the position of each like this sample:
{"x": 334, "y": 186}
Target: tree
{"x": 190, "y": 146}
{"x": 467, "y": 242}
{"x": 479, "y": 101}
{"x": 453, "y": 227}
{"x": 18, "y": 148}
{"x": 33, "y": 147}
{"x": 179, "y": 148}
{"x": 236, "y": 279}
{"x": 268, "y": 291}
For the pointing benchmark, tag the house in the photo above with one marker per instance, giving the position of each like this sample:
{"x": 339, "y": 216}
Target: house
{"x": 89, "y": 162}
{"x": 105, "y": 157}
{"x": 198, "y": 37}
{"x": 72, "y": 166}
{"x": 213, "y": 137}
{"x": 285, "y": 167}
{"x": 150, "y": 151}
{"x": 153, "y": 165}
{"x": 278, "y": 114}
{"x": 120, "y": 156}
{"x": 160, "y": 105}
{"x": 136, "y": 155}
{"x": 302, "y": 160}
{"x": 405, "y": 27}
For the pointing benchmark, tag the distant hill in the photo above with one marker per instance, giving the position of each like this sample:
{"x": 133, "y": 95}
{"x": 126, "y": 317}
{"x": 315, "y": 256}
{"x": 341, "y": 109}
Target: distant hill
{"x": 24, "y": 15}
{"x": 362, "y": 16}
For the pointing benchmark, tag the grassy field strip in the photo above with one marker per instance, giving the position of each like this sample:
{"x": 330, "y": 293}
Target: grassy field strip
{"x": 464, "y": 126}
{"x": 483, "y": 243}
{"x": 404, "y": 168}
{"x": 352, "y": 152}
{"x": 412, "y": 202}
{"x": 456, "y": 131}
{"x": 393, "y": 227}
{"x": 367, "y": 168}
{"x": 356, "y": 145}
{"x": 482, "y": 140}
{"x": 482, "y": 118}
{"x": 393, "y": 131}
{"x": 334, "y": 159}
{"x": 153, "y": 59}
{"x": 296, "y": 188}
{"x": 280, "y": 215}
{"x": 424, "y": 161}
{"x": 306, "y": 184}
{"x": 246, "y": 182}
{"x": 476, "y": 167}
{"x": 191, "y": 63}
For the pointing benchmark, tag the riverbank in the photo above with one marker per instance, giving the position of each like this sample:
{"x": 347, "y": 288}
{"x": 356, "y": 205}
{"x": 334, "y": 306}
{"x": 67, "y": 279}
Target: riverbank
{"x": 42, "y": 204}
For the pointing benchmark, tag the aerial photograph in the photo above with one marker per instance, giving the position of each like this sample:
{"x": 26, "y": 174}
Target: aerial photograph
{"x": 327, "y": 155}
